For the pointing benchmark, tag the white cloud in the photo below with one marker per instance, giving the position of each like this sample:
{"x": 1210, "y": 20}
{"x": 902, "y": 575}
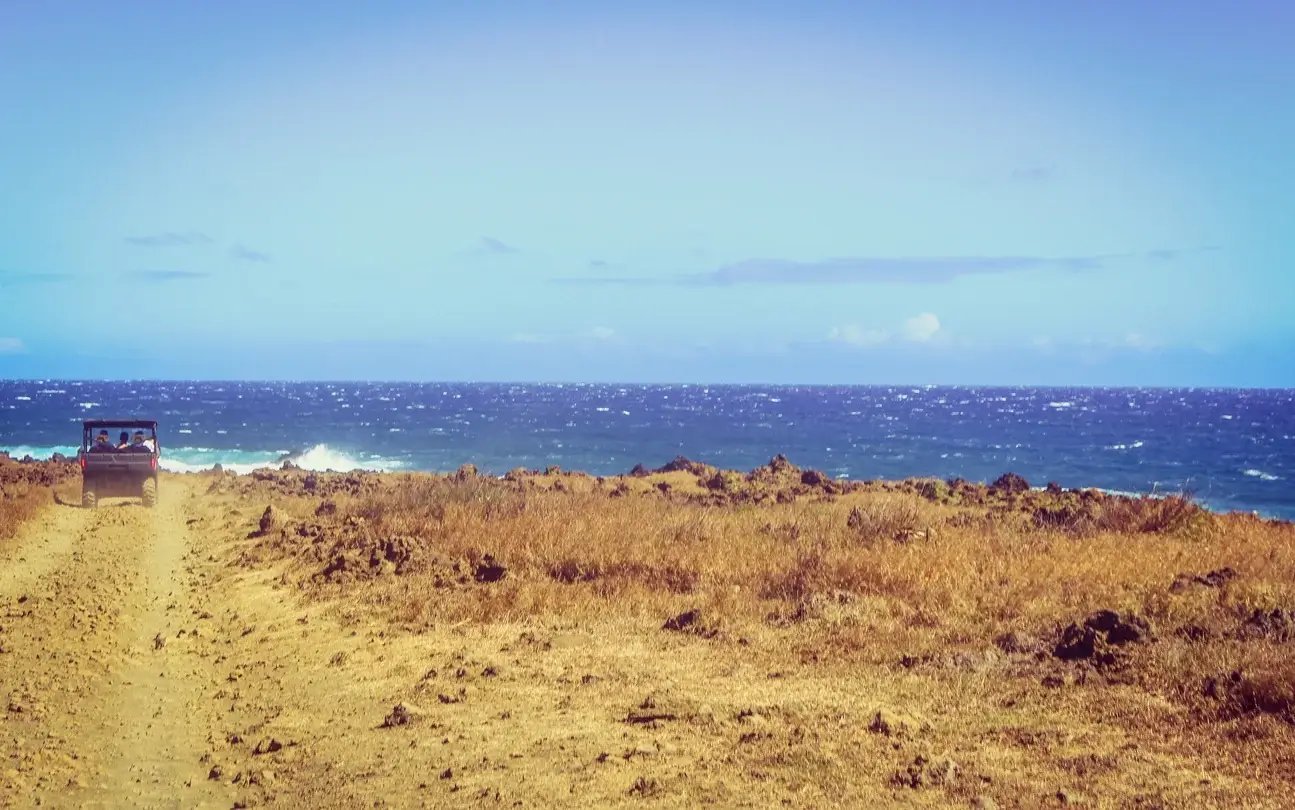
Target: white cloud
{"x": 12, "y": 345}
{"x": 602, "y": 333}
{"x": 921, "y": 328}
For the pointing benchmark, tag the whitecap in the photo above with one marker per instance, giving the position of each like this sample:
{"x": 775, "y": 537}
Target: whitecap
{"x": 1261, "y": 475}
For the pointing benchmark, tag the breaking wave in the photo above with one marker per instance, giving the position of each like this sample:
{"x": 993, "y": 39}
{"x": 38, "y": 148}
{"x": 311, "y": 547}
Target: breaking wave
{"x": 319, "y": 458}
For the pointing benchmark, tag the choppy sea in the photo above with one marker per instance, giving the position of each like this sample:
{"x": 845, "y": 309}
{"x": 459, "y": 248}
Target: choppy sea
{"x": 1232, "y": 449}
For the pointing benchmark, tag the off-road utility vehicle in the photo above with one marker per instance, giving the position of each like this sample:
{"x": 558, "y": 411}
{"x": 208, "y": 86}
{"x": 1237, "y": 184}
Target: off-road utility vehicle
{"x": 111, "y": 467}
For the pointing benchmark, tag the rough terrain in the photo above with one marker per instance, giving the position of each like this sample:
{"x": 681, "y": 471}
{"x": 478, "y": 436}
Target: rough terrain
{"x": 210, "y": 654}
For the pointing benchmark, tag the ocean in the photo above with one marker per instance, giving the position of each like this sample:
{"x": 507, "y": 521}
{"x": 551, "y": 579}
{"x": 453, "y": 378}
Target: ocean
{"x": 1231, "y": 449}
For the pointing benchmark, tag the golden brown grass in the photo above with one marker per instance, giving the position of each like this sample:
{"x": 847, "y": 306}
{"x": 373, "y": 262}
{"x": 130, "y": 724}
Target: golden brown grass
{"x": 929, "y": 591}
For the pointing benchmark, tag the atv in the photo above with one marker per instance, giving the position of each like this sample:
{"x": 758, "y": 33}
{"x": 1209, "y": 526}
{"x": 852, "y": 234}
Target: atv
{"x": 123, "y": 467}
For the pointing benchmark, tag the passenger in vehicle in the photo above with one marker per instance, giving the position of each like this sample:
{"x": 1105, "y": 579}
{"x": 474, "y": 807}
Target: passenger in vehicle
{"x": 123, "y": 441}
{"x": 137, "y": 444}
{"x": 101, "y": 443}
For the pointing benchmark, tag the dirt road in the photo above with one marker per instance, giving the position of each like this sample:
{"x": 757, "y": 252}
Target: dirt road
{"x": 104, "y": 668}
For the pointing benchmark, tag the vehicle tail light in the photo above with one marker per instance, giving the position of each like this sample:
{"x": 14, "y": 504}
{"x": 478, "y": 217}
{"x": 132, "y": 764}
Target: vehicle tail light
{"x": 82, "y": 460}
{"x": 152, "y": 462}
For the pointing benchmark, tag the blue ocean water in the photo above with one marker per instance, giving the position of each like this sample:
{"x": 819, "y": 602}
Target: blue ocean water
{"x": 1233, "y": 449}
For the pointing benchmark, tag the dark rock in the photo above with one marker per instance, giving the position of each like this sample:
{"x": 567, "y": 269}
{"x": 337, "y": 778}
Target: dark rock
{"x": 639, "y": 471}
{"x": 682, "y": 464}
{"x": 465, "y": 472}
{"x": 489, "y": 570}
{"x": 690, "y": 621}
{"x": 1010, "y": 483}
{"x": 925, "y": 772}
{"x": 651, "y": 711}
{"x": 268, "y": 519}
{"x": 310, "y": 482}
{"x": 1214, "y": 579}
{"x": 1099, "y": 633}
{"x": 1277, "y": 624}
{"x": 401, "y": 715}
{"x": 815, "y": 478}
{"x": 267, "y": 745}
{"x": 1054, "y": 488}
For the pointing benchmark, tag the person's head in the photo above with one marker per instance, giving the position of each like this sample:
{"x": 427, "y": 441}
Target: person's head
{"x": 124, "y": 437}
{"x": 102, "y": 438}
{"x": 138, "y": 438}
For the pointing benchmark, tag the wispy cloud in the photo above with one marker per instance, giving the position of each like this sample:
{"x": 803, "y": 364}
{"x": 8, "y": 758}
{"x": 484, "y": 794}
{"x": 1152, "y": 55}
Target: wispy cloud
{"x": 166, "y": 275}
{"x": 247, "y": 254}
{"x": 12, "y": 345}
{"x": 902, "y": 270}
{"x": 492, "y": 245}
{"x": 21, "y": 279}
{"x": 882, "y": 270}
{"x": 1032, "y": 174}
{"x": 170, "y": 239}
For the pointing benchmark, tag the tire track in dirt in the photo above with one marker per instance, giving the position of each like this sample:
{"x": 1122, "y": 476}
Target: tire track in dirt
{"x": 103, "y": 696}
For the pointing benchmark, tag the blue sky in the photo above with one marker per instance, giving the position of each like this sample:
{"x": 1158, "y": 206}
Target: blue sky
{"x": 1052, "y": 193}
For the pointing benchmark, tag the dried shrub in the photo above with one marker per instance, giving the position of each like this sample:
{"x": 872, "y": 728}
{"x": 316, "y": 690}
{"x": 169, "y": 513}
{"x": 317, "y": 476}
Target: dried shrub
{"x": 891, "y": 519}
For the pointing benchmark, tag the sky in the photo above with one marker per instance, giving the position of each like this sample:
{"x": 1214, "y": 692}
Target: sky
{"x": 944, "y": 192}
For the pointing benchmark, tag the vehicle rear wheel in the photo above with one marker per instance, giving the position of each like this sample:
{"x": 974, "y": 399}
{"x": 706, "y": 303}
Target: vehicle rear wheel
{"x": 88, "y": 499}
{"x": 150, "y": 492}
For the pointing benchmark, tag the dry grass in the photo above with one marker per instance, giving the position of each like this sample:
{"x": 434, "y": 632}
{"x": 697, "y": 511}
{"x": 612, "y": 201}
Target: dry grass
{"x": 959, "y": 590}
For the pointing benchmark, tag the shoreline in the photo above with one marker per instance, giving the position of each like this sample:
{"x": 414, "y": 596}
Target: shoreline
{"x": 845, "y": 484}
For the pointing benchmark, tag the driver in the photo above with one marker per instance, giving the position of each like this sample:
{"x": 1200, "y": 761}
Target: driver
{"x": 101, "y": 443}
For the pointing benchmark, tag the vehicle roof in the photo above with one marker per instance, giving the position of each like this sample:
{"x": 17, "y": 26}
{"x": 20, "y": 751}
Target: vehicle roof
{"x": 136, "y": 423}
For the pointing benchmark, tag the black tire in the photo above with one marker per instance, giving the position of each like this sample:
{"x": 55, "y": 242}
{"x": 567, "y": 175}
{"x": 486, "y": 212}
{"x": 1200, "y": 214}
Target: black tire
{"x": 88, "y": 498}
{"x": 150, "y": 492}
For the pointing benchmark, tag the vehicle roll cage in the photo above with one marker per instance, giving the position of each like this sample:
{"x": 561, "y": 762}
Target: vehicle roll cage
{"x": 89, "y": 426}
